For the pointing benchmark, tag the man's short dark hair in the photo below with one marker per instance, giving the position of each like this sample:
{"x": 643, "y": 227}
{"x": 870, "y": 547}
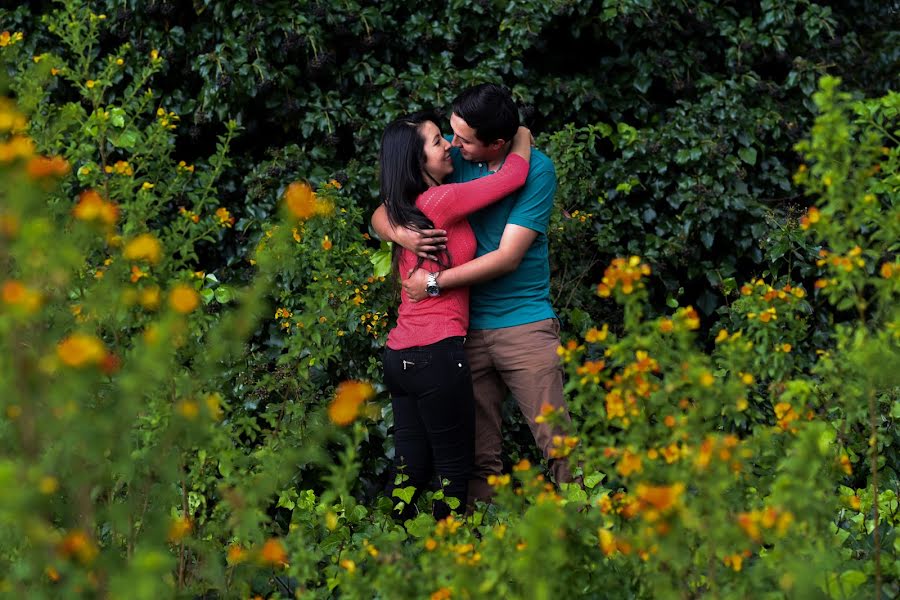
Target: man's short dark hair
{"x": 490, "y": 110}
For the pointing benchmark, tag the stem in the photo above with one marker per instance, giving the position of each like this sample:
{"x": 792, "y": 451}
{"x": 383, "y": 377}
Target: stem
{"x": 184, "y": 515}
{"x": 873, "y": 444}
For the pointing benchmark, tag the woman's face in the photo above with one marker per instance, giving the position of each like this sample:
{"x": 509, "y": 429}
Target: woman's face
{"x": 437, "y": 153}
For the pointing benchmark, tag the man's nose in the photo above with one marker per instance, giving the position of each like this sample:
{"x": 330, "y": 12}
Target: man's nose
{"x": 455, "y": 142}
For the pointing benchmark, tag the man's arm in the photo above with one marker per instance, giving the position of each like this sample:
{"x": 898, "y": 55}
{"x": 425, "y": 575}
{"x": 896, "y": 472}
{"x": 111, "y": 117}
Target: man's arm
{"x": 424, "y": 243}
{"x": 513, "y": 245}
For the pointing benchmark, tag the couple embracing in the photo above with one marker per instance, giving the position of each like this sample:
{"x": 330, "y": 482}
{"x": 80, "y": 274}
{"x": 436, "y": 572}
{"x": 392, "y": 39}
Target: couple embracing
{"x": 469, "y": 215}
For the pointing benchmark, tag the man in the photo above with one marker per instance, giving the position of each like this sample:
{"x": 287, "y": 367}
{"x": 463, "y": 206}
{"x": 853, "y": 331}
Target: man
{"x": 513, "y": 330}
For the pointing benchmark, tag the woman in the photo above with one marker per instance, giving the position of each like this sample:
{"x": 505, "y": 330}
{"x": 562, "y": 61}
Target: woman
{"x": 425, "y": 367}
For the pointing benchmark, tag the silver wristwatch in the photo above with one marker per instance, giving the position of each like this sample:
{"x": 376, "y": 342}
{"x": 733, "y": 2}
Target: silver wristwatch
{"x": 431, "y": 285}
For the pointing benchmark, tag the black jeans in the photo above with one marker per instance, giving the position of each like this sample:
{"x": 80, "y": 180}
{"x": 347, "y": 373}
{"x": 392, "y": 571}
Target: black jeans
{"x": 434, "y": 417}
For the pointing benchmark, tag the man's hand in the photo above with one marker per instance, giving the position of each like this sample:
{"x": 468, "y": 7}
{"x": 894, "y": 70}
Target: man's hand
{"x": 425, "y": 243}
{"x": 414, "y": 285}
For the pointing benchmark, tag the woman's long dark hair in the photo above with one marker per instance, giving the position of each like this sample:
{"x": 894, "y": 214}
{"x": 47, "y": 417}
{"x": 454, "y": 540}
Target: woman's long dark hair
{"x": 402, "y": 160}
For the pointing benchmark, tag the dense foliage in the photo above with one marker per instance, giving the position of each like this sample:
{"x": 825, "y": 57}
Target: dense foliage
{"x": 191, "y": 335}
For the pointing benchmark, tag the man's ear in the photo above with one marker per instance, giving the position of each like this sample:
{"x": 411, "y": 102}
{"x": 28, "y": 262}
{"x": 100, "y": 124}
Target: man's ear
{"x": 496, "y": 145}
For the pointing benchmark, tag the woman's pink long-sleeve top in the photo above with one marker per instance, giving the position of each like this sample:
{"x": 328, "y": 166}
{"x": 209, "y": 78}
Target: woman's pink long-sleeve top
{"x": 434, "y": 319}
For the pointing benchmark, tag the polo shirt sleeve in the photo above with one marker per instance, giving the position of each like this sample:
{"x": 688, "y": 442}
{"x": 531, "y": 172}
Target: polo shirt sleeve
{"x": 535, "y": 202}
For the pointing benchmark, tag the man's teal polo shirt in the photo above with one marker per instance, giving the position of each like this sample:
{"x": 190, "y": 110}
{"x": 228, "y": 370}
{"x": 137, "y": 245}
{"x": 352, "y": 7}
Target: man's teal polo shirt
{"x": 522, "y": 296}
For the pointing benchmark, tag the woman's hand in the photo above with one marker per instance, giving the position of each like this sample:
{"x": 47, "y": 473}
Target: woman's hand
{"x": 521, "y": 143}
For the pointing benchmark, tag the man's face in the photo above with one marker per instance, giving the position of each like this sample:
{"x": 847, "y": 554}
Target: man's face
{"x": 470, "y": 146}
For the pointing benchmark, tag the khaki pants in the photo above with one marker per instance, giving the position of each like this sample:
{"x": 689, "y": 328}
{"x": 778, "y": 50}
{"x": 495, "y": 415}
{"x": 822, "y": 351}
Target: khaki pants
{"x": 522, "y": 360}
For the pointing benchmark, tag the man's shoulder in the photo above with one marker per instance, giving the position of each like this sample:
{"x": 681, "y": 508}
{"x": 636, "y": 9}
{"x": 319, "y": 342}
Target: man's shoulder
{"x": 540, "y": 164}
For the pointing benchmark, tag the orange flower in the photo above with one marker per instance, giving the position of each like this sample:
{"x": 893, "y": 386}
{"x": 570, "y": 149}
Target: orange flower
{"x": 17, "y": 294}
{"x": 92, "y": 207}
{"x": 144, "y": 247}
{"x": 81, "y": 349}
{"x": 442, "y": 594}
{"x": 273, "y": 553}
{"x": 41, "y": 166}
{"x": 137, "y": 273}
{"x": 236, "y": 554}
{"x": 344, "y": 409}
{"x": 660, "y": 497}
{"x": 326, "y": 243}
{"x": 225, "y": 218}
{"x": 78, "y": 545}
{"x": 184, "y": 299}
{"x": 595, "y": 335}
{"x": 300, "y": 200}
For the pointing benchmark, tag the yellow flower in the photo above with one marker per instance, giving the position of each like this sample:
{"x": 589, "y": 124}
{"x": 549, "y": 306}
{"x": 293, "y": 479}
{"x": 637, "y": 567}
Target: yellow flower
{"x": 188, "y": 409}
{"x": 149, "y": 297}
{"x": 214, "y": 405}
{"x": 48, "y": 485}
{"x": 348, "y": 397}
{"x": 522, "y": 465}
{"x": 349, "y": 565}
{"x": 147, "y": 186}
{"x": 498, "y": 480}
{"x": 595, "y": 335}
{"x": 179, "y": 529}
{"x": 154, "y": 55}
{"x": 735, "y": 561}
{"x": 79, "y": 349}
{"x": 144, "y": 247}
{"x": 607, "y": 542}
{"x": 90, "y": 84}
{"x": 707, "y": 379}
{"x": 184, "y": 299}
{"x": 629, "y": 463}
{"x": 722, "y": 335}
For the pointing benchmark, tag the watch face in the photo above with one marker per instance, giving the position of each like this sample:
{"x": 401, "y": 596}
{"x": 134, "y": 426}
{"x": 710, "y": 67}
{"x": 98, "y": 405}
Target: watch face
{"x": 433, "y": 290}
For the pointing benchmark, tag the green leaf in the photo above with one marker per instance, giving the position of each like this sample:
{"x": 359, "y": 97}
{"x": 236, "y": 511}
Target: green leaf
{"x": 591, "y": 481}
{"x": 127, "y": 139}
{"x": 224, "y": 295}
{"x": 381, "y": 260}
{"x": 421, "y": 526}
{"x": 850, "y": 580}
{"x": 405, "y": 493}
{"x": 748, "y": 155}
